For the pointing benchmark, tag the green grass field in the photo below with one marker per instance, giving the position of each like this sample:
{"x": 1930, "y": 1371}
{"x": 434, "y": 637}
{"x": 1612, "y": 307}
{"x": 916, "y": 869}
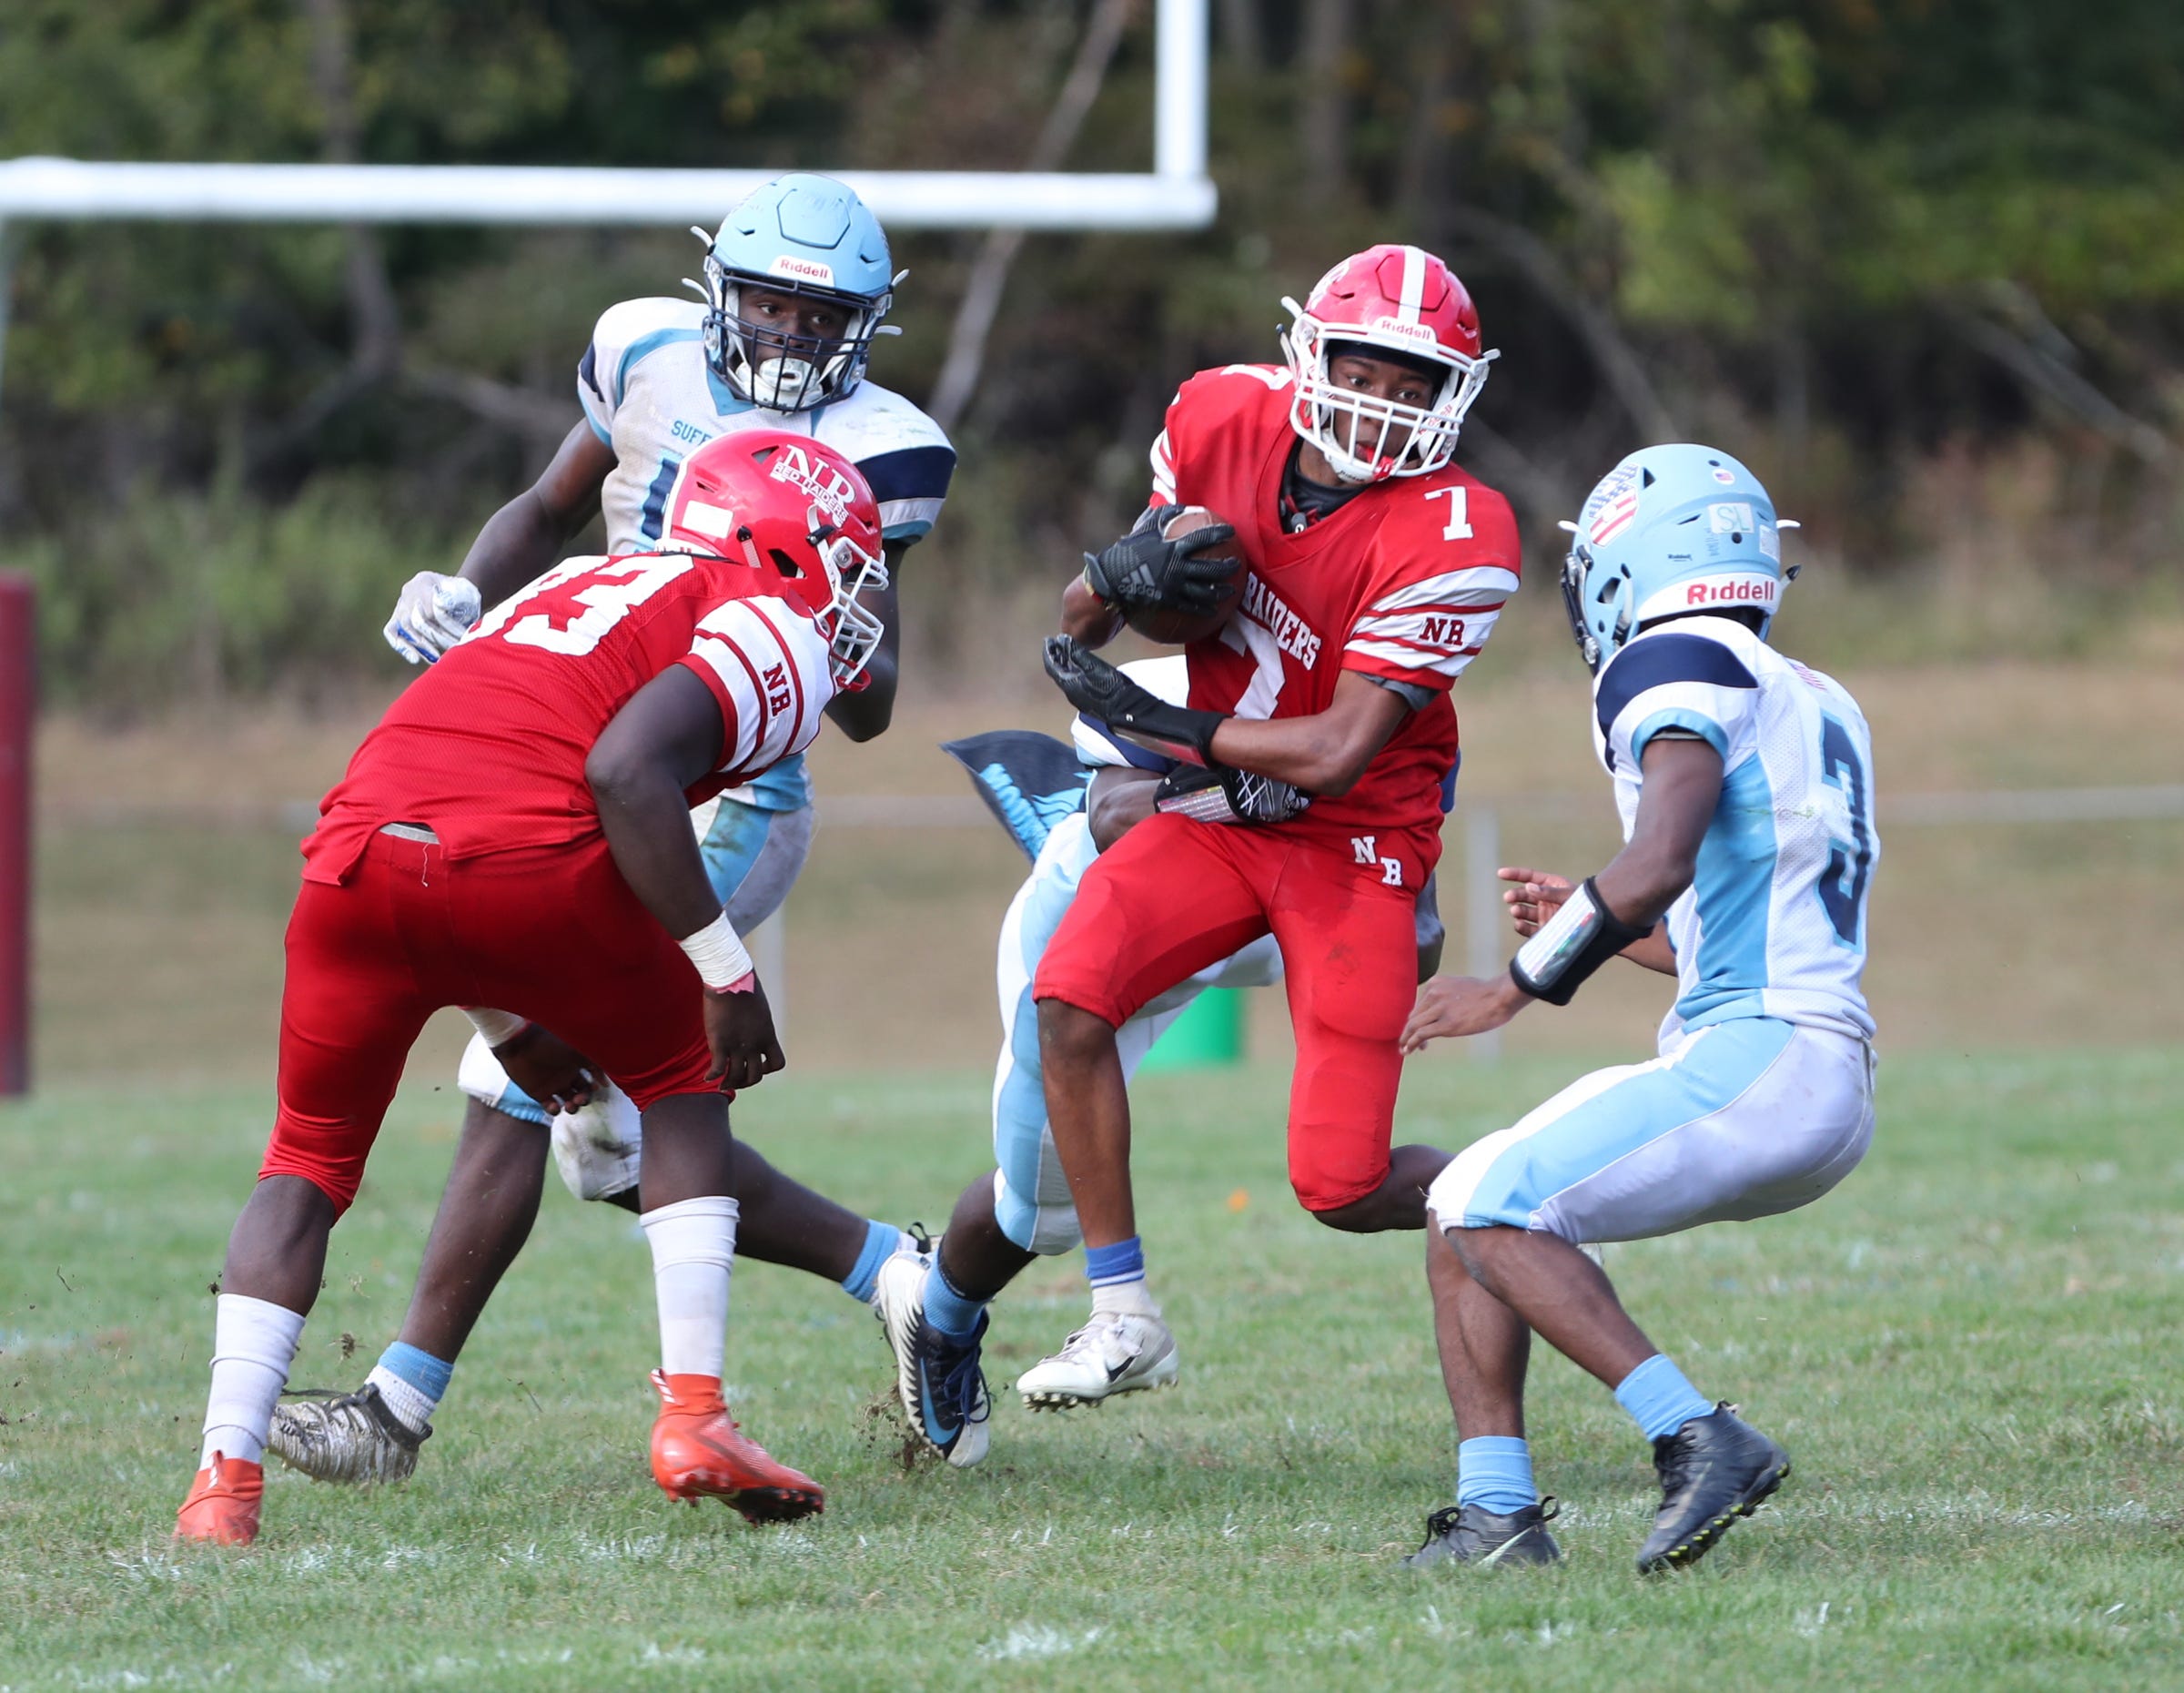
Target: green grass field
{"x": 1971, "y": 1350}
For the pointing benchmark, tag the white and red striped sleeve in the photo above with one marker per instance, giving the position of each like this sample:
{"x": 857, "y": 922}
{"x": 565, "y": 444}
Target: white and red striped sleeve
{"x": 1163, "y": 470}
{"x": 765, "y": 663}
{"x": 1427, "y": 616}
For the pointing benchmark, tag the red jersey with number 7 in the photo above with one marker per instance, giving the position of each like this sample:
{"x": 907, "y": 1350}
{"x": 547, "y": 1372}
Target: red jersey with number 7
{"x": 1403, "y": 581}
{"x": 487, "y": 748}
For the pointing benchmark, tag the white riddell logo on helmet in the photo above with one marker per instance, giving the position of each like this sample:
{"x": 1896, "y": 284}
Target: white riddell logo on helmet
{"x": 1420, "y": 332}
{"x": 1743, "y": 591}
{"x": 802, "y": 269}
{"x": 828, "y": 488}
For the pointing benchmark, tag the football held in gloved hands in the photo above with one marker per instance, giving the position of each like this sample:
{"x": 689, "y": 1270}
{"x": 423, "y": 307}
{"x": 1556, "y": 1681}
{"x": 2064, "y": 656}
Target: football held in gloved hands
{"x": 1175, "y": 627}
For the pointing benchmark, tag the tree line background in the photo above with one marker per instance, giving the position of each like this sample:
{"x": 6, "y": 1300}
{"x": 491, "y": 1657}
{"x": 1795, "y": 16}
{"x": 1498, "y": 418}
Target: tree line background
{"x": 1920, "y": 261}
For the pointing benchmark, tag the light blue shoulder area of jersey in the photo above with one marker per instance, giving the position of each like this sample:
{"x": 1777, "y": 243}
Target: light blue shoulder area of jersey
{"x": 625, "y": 337}
{"x": 1688, "y": 676}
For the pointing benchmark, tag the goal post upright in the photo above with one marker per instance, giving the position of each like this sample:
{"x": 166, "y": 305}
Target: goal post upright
{"x": 18, "y": 708}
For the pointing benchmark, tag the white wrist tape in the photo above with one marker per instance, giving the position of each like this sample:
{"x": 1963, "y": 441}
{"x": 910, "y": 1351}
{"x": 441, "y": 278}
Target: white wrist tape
{"x": 495, "y": 1028}
{"x": 719, "y": 955}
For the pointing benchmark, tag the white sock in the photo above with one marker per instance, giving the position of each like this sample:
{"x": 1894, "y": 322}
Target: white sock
{"x": 253, "y": 1344}
{"x": 1124, "y": 1299}
{"x": 411, "y": 1405}
{"x": 693, "y": 1248}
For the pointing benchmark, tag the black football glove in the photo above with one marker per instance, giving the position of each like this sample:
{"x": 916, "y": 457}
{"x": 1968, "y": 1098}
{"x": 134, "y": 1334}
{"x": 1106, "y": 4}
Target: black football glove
{"x": 1143, "y": 572}
{"x": 1221, "y": 794}
{"x": 1099, "y": 690}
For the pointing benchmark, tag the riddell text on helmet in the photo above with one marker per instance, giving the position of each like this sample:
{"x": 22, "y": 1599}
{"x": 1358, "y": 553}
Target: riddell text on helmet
{"x": 1750, "y": 592}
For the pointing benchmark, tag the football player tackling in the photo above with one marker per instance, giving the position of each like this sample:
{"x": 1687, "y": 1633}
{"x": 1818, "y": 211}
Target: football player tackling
{"x": 526, "y": 800}
{"x": 1376, "y": 569}
{"x": 797, "y": 282}
{"x": 1744, "y": 782}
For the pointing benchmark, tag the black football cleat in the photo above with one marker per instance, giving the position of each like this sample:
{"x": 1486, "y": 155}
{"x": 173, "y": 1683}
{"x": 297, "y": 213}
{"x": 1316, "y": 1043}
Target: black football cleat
{"x": 1470, "y": 1533}
{"x": 1712, "y": 1470}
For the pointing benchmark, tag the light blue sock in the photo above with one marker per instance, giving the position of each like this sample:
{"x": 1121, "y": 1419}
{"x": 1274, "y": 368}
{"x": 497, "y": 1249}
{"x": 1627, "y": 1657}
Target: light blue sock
{"x": 1495, "y": 1471}
{"x": 420, "y": 1369}
{"x": 1659, "y": 1399}
{"x": 953, "y": 1314}
{"x": 881, "y": 1239}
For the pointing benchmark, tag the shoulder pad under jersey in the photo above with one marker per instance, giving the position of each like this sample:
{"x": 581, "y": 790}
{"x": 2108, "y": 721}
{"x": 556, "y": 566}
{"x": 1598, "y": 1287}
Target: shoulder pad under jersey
{"x": 624, "y": 336}
{"x": 904, "y": 454}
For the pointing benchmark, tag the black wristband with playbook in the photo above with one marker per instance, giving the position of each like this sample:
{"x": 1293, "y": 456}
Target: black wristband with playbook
{"x": 1569, "y": 946}
{"x": 1217, "y": 792}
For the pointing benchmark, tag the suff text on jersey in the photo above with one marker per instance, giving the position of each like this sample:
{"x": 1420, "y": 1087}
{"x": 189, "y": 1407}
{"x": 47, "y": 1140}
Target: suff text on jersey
{"x": 1291, "y": 634}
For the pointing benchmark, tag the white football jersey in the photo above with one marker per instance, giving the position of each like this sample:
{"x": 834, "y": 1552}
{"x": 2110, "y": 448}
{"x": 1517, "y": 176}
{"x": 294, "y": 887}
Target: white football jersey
{"x": 649, "y": 394}
{"x": 1774, "y": 923}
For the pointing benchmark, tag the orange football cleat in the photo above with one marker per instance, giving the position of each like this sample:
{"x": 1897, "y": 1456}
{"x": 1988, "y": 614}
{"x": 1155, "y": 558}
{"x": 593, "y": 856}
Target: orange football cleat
{"x": 222, "y": 1506}
{"x": 698, "y": 1450}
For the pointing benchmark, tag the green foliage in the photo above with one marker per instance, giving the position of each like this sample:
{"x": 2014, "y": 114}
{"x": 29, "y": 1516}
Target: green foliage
{"x": 1852, "y": 237}
{"x": 217, "y": 593}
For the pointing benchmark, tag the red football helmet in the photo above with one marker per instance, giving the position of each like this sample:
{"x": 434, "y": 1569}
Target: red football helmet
{"x": 1393, "y": 299}
{"x": 786, "y": 504}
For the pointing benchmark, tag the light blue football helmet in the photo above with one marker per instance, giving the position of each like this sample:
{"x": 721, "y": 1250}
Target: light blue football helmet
{"x": 1670, "y": 530}
{"x": 806, "y": 235}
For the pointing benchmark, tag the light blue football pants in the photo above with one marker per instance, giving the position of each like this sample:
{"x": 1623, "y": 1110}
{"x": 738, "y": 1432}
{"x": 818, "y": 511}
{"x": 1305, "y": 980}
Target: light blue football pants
{"x": 1031, "y": 1196}
{"x": 1737, "y": 1119}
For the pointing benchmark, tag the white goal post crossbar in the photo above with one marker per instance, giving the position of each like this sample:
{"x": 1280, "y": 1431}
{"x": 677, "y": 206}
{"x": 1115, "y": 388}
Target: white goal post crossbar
{"x": 1176, "y": 195}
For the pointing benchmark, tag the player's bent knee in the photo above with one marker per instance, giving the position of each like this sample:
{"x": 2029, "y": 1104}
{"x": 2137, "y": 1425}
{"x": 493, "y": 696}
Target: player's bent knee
{"x": 1480, "y": 1246}
{"x": 480, "y": 1077}
{"x": 1346, "y": 1201}
{"x": 1069, "y": 1034}
{"x": 1046, "y": 1230}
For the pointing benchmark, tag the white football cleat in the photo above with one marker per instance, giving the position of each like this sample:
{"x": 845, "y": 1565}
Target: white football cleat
{"x": 1122, "y": 1352}
{"x": 345, "y": 1438}
{"x": 937, "y": 1378}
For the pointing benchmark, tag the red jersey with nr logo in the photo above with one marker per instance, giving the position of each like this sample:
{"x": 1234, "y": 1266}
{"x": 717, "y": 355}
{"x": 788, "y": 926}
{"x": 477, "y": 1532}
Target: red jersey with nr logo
{"x": 1403, "y": 581}
{"x": 487, "y": 748}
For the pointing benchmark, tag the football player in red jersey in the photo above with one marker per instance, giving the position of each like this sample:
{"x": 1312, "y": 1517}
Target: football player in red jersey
{"x": 1376, "y": 569}
{"x": 529, "y": 798}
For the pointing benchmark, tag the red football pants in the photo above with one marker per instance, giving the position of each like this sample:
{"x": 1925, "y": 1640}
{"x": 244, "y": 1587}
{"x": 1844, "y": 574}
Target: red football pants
{"x": 553, "y": 934}
{"x": 1172, "y": 896}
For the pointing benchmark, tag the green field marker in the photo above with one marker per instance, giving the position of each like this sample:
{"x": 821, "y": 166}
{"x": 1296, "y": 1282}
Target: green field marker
{"x": 1210, "y": 1032}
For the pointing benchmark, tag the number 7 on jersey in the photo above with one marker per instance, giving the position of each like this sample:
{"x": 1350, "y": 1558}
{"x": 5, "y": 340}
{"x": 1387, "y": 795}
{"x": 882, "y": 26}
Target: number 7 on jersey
{"x": 1460, "y": 511}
